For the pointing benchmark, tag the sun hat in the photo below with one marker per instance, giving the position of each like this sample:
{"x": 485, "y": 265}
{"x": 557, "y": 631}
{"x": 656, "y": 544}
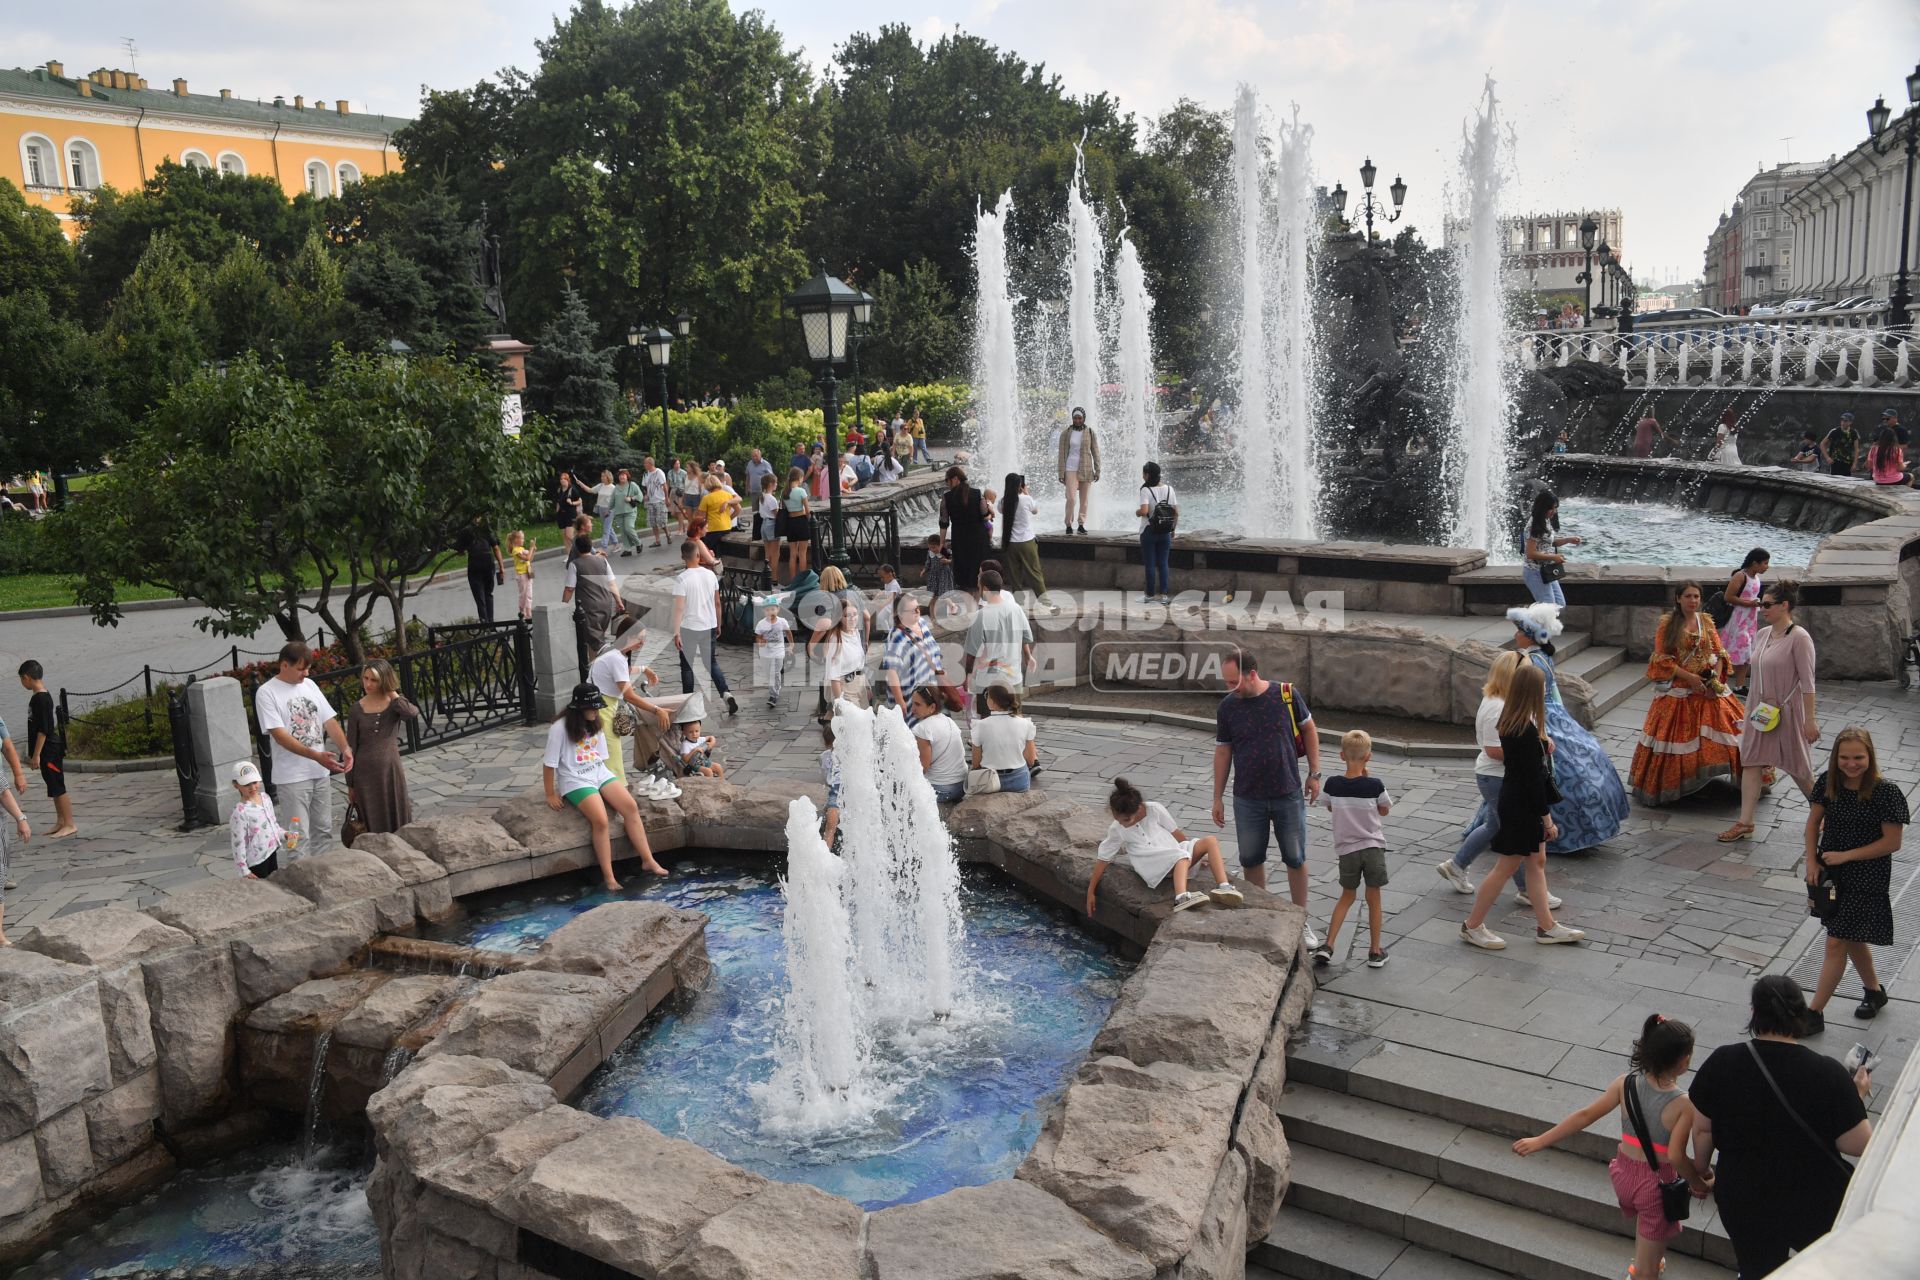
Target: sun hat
{"x": 1541, "y": 622}
{"x": 246, "y": 773}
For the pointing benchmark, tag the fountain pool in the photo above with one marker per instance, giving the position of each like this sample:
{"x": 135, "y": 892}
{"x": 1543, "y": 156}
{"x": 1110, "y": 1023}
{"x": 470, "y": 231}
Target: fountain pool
{"x": 963, "y": 1099}
{"x": 264, "y": 1212}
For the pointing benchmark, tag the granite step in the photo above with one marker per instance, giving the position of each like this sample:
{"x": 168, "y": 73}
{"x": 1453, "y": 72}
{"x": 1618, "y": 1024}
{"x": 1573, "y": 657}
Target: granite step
{"x": 1591, "y": 663}
{"x": 1560, "y": 1184}
{"x": 1616, "y": 686}
{"x": 1445, "y": 1219}
{"x": 1307, "y": 1246}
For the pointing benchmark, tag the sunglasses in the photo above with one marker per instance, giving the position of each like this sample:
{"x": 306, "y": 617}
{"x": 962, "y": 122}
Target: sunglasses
{"x": 1768, "y": 604}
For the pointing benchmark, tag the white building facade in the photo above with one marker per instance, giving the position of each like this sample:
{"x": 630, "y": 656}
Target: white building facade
{"x": 1846, "y": 223}
{"x": 1765, "y": 243}
{"x": 1543, "y": 250}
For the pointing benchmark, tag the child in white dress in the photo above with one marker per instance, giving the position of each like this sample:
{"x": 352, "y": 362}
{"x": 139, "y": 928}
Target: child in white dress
{"x": 1144, "y": 833}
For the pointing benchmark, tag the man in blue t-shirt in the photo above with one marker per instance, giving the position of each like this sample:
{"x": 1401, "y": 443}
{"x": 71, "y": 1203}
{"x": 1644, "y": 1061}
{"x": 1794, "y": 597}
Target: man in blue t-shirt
{"x": 1254, "y": 740}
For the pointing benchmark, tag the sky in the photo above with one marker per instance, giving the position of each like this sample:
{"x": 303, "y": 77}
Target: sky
{"x": 1662, "y": 108}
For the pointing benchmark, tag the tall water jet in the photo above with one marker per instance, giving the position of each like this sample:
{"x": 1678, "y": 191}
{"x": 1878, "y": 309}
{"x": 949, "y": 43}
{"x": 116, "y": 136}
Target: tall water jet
{"x": 1250, "y": 415}
{"x": 1084, "y": 262}
{"x": 1482, "y": 414}
{"x": 821, "y": 1047}
{"x": 1130, "y": 436}
{"x": 996, "y": 367}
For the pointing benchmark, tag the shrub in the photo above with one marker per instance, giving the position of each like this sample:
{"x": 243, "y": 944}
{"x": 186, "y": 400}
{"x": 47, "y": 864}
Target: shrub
{"x": 124, "y": 729}
{"x": 695, "y": 431}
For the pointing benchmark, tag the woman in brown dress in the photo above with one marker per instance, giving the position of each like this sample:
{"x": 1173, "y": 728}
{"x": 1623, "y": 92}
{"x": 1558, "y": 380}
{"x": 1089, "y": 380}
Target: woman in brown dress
{"x": 377, "y": 786}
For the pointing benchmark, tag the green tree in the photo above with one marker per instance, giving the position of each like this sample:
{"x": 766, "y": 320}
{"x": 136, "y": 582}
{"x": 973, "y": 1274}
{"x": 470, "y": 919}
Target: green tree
{"x": 51, "y": 393}
{"x": 245, "y": 482}
{"x": 916, "y": 327}
{"x": 409, "y": 272}
{"x": 159, "y": 333}
{"x": 570, "y": 380}
{"x": 34, "y": 254}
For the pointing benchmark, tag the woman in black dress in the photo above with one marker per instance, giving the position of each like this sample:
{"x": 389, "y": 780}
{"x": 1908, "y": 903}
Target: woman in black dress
{"x": 963, "y": 518}
{"x": 569, "y": 501}
{"x": 1526, "y": 818}
{"x": 1855, "y": 821}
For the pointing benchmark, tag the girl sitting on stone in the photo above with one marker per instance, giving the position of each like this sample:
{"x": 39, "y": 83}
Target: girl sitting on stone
{"x": 575, "y": 771}
{"x": 1144, "y": 833}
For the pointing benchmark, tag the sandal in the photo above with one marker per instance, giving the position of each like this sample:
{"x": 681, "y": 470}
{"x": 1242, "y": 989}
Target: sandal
{"x": 1738, "y": 831}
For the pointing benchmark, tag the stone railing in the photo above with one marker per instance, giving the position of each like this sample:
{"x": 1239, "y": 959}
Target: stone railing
{"x": 1879, "y": 1223}
{"x": 1734, "y": 352}
{"x": 1164, "y": 1156}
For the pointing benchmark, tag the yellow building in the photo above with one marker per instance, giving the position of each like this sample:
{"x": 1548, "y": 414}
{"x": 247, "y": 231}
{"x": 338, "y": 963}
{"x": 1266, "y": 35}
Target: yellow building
{"x": 61, "y": 137}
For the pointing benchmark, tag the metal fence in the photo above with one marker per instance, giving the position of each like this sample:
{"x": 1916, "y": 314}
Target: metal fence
{"x": 470, "y": 677}
{"x": 873, "y": 539}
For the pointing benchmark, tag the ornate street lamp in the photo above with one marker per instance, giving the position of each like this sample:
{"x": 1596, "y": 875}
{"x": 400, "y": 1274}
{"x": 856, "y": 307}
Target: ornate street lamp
{"x": 825, "y": 306}
{"x": 1878, "y": 118}
{"x": 659, "y": 345}
{"x": 862, "y": 322}
{"x": 683, "y": 327}
{"x": 1369, "y": 204}
{"x": 1588, "y": 229}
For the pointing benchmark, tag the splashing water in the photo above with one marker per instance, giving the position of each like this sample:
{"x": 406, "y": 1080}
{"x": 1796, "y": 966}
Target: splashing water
{"x": 821, "y": 1051}
{"x": 996, "y": 367}
{"x": 1482, "y": 414}
{"x": 1083, "y": 291}
{"x": 1131, "y": 438}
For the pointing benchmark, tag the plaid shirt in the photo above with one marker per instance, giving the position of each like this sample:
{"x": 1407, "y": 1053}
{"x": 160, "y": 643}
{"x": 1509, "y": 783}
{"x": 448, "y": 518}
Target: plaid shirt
{"x": 915, "y": 655}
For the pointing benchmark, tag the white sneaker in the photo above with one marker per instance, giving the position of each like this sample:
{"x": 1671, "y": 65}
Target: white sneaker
{"x": 1310, "y": 940}
{"x": 1559, "y": 933}
{"x": 1227, "y": 894}
{"x": 1190, "y": 898}
{"x": 1454, "y": 876}
{"x": 1484, "y": 938}
{"x": 668, "y": 790}
{"x": 1553, "y": 901}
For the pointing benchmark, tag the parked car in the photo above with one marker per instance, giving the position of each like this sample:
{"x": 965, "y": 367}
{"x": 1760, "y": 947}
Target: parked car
{"x": 1794, "y": 306}
{"x": 1859, "y": 302}
{"x": 1676, "y": 314}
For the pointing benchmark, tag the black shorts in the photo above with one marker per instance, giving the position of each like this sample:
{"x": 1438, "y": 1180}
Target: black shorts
{"x": 54, "y": 774}
{"x": 268, "y": 867}
{"x": 757, "y": 535}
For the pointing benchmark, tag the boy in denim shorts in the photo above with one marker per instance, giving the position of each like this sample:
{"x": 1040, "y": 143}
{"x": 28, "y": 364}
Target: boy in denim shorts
{"x": 1358, "y": 801}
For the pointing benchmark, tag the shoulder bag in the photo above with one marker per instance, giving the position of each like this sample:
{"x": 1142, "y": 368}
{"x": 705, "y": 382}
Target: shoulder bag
{"x": 1786, "y": 1106}
{"x": 1719, "y": 610}
{"x": 1676, "y": 1199}
{"x": 982, "y": 782}
{"x": 354, "y": 827}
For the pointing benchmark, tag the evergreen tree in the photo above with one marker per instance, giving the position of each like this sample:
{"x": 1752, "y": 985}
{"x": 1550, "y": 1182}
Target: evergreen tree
{"x": 570, "y": 380}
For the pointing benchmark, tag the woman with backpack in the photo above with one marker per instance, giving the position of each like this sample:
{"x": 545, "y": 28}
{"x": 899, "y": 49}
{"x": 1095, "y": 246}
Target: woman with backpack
{"x": 1159, "y": 513}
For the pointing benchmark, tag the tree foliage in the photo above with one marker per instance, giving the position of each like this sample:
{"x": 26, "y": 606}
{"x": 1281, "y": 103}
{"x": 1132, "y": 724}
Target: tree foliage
{"x": 570, "y": 380}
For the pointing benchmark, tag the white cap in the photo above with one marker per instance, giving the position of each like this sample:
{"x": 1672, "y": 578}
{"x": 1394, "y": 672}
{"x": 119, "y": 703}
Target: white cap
{"x": 245, "y": 773}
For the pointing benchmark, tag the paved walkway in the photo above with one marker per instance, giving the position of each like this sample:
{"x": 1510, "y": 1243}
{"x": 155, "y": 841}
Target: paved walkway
{"x": 1676, "y": 921}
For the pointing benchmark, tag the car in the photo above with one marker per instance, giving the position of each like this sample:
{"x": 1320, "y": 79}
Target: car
{"x": 1676, "y": 314}
{"x": 1794, "y": 306}
{"x": 1859, "y": 302}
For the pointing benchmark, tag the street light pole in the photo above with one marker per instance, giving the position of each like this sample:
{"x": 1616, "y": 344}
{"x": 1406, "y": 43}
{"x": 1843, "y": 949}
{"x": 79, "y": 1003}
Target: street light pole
{"x": 1368, "y": 204}
{"x": 825, "y": 306}
{"x": 1588, "y": 229}
{"x": 659, "y": 343}
{"x": 862, "y": 316}
{"x": 1899, "y": 314}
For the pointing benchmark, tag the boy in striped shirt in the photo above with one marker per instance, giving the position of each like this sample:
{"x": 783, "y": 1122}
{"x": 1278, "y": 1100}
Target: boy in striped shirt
{"x": 1358, "y": 801}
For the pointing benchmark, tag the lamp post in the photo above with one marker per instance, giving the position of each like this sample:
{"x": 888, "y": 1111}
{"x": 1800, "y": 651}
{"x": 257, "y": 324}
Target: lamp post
{"x": 683, "y": 328}
{"x": 825, "y": 307}
{"x": 862, "y": 317}
{"x": 659, "y": 344}
{"x": 1369, "y": 204}
{"x": 1603, "y": 254}
{"x": 1898, "y": 314}
{"x": 1588, "y": 229}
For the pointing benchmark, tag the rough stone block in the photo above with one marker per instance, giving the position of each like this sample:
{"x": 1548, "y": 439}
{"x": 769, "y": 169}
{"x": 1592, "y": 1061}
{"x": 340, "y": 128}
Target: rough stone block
{"x": 627, "y": 1194}
{"x": 343, "y": 875}
{"x": 278, "y": 959}
{"x": 66, "y": 1154}
{"x": 532, "y": 1020}
{"x": 53, "y": 1055}
{"x": 120, "y": 1121}
{"x": 1269, "y": 927}
{"x": 623, "y": 942}
{"x": 27, "y": 977}
{"x": 1220, "y": 1248}
{"x": 104, "y": 936}
{"x": 1008, "y": 1230}
{"x": 1194, "y": 1003}
{"x": 1136, "y": 1150}
{"x": 194, "y": 1002}
{"x": 790, "y": 1231}
{"x": 441, "y": 1108}
{"x": 462, "y": 841}
{"x": 424, "y": 1074}
{"x": 713, "y": 808}
{"x": 1395, "y": 670}
{"x": 220, "y": 909}
{"x": 529, "y": 820}
{"x": 480, "y": 1175}
{"x": 20, "y": 1188}
{"x": 316, "y": 1005}
{"x": 390, "y": 1012}
{"x": 128, "y": 1020}
{"x": 401, "y": 858}
{"x": 1260, "y": 1142}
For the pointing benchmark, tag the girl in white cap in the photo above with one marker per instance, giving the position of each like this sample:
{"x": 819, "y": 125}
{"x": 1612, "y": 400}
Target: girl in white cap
{"x": 257, "y": 836}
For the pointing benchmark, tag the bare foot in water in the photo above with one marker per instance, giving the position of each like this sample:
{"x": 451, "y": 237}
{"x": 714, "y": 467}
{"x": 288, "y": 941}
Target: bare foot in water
{"x": 613, "y": 886}
{"x": 655, "y": 869}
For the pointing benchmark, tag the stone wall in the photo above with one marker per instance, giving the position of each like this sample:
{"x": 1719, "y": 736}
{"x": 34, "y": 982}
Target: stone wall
{"x": 1164, "y": 1157}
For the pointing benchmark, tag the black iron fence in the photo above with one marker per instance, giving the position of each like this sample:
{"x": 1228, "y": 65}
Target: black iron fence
{"x": 470, "y": 677}
{"x": 873, "y": 539}
{"x": 155, "y": 685}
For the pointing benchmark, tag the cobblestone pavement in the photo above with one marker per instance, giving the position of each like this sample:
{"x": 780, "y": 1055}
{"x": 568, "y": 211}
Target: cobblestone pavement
{"x": 1670, "y": 913}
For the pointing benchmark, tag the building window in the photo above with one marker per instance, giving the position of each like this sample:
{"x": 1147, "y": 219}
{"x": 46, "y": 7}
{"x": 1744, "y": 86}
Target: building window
{"x": 83, "y": 165}
{"x": 317, "y": 182}
{"x": 196, "y": 160}
{"x": 38, "y": 165}
{"x": 348, "y": 175}
{"x": 231, "y": 165}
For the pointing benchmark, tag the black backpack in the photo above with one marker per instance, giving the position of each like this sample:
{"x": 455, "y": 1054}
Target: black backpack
{"x": 1161, "y": 517}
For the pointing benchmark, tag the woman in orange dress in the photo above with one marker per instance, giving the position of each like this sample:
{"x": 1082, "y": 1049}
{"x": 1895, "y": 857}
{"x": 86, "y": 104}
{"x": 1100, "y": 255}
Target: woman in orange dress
{"x": 1692, "y": 733}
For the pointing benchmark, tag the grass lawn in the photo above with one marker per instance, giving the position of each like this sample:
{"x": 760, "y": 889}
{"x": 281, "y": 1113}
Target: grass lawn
{"x": 55, "y": 590}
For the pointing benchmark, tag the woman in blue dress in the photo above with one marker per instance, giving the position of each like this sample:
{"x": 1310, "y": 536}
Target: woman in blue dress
{"x": 1593, "y": 801}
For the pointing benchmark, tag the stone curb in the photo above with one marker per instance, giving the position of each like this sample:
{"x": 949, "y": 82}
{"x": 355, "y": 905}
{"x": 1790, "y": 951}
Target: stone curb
{"x": 1172, "y": 719}
{"x": 141, "y": 764}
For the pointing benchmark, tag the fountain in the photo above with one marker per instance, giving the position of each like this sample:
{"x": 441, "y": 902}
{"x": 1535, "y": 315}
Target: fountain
{"x": 1084, "y": 262}
{"x": 821, "y": 1050}
{"x": 1130, "y": 435}
{"x": 1482, "y": 411}
{"x": 995, "y": 352}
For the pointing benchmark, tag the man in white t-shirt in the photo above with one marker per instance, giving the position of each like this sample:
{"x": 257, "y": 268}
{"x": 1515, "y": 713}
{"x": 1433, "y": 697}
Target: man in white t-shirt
{"x": 696, "y": 623}
{"x": 999, "y": 642}
{"x": 294, "y": 713}
{"x": 653, "y": 494}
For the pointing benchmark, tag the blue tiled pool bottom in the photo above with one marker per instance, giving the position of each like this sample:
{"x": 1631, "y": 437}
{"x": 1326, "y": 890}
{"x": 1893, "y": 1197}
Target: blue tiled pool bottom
{"x": 966, "y": 1097}
{"x": 263, "y": 1213}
